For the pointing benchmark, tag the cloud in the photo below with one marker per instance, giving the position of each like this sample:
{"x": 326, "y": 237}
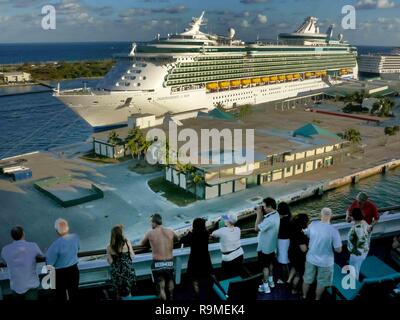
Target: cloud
{"x": 262, "y": 18}
{"x": 136, "y": 12}
{"x": 245, "y": 24}
{"x": 375, "y": 4}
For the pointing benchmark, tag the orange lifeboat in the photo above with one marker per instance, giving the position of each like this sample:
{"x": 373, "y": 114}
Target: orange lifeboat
{"x": 256, "y": 80}
{"x": 289, "y": 77}
{"x": 265, "y": 79}
{"x": 235, "y": 83}
{"x": 212, "y": 86}
{"x": 297, "y": 76}
{"x": 246, "y": 82}
{"x": 273, "y": 78}
{"x": 324, "y": 73}
{"x": 282, "y": 78}
{"x": 224, "y": 84}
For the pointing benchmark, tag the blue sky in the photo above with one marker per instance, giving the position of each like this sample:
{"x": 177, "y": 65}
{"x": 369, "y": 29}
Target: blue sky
{"x": 378, "y": 21}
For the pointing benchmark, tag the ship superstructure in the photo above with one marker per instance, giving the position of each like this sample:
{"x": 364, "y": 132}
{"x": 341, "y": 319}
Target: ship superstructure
{"x": 193, "y": 70}
{"x": 386, "y": 66}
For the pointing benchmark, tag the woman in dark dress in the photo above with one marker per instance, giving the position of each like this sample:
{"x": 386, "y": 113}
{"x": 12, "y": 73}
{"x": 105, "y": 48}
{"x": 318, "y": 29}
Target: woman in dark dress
{"x": 297, "y": 250}
{"x": 120, "y": 255}
{"x": 199, "y": 264}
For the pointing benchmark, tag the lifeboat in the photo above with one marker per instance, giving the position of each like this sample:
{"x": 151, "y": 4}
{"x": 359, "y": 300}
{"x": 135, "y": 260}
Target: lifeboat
{"x": 212, "y": 86}
{"x": 282, "y": 78}
{"x": 246, "y": 82}
{"x": 235, "y": 83}
{"x": 297, "y": 76}
{"x": 256, "y": 80}
{"x": 318, "y": 74}
{"x": 224, "y": 84}
{"x": 265, "y": 79}
{"x": 289, "y": 77}
{"x": 309, "y": 74}
{"x": 273, "y": 78}
{"x": 324, "y": 73}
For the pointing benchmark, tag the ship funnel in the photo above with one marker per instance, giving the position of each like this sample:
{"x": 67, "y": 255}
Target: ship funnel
{"x": 231, "y": 33}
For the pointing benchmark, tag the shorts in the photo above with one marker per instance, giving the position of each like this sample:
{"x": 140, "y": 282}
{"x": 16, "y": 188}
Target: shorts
{"x": 265, "y": 260}
{"x": 283, "y": 249}
{"x": 163, "y": 271}
{"x": 324, "y": 275}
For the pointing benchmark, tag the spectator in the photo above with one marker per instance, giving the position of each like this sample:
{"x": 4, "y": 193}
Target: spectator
{"x": 368, "y": 208}
{"x": 161, "y": 241}
{"x": 120, "y": 255}
{"x": 231, "y": 248}
{"x": 358, "y": 240}
{"x": 324, "y": 240}
{"x": 284, "y": 241}
{"x": 267, "y": 226}
{"x": 20, "y": 257}
{"x": 63, "y": 256}
{"x": 297, "y": 250}
{"x": 199, "y": 265}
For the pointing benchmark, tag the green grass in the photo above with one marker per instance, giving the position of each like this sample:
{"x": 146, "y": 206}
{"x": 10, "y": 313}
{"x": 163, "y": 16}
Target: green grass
{"x": 92, "y": 157}
{"x": 171, "y": 192}
{"x": 142, "y": 167}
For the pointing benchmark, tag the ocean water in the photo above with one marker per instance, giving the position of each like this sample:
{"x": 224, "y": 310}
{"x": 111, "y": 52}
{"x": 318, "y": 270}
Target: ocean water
{"x": 42, "y": 52}
{"x": 38, "y": 121}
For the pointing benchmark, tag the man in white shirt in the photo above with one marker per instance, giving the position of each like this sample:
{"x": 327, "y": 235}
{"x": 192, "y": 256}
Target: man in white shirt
{"x": 324, "y": 241}
{"x": 267, "y": 226}
{"x": 231, "y": 248}
{"x": 20, "y": 257}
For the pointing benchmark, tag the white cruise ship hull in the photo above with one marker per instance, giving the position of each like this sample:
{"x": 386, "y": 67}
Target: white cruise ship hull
{"x": 104, "y": 111}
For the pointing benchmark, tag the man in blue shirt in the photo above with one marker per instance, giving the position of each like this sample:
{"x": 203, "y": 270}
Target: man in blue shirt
{"x": 20, "y": 257}
{"x": 63, "y": 256}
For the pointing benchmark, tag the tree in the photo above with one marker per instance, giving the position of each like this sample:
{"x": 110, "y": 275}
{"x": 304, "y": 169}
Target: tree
{"x": 136, "y": 142}
{"x": 113, "y": 138}
{"x": 392, "y": 131}
{"x": 244, "y": 111}
{"x": 197, "y": 180}
{"x": 352, "y": 135}
{"x": 383, "y": 108}
{"x": 220, "y": 106}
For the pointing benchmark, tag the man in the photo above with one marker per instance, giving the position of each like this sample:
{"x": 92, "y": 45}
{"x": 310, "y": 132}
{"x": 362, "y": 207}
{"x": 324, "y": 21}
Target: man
{"x": 324, "y": 240}
{"x": 267, "y": 226}
{"x": 63, "y": 256}
{"x": 20, "y": 257}
{"x": 161, "y": 240}
{"x": 368, "y": 208}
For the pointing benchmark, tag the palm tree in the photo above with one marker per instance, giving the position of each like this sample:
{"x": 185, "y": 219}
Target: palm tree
{"x": 197, "y": 180}
{"x": 352, "y": 135}
{"x": 113, "y": 138}
{"x": 220, "y": 106}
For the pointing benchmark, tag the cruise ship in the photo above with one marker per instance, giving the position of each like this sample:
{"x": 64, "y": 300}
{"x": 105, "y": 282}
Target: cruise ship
{"x": 194, "y": 70}
{"x": 386, "y": 66}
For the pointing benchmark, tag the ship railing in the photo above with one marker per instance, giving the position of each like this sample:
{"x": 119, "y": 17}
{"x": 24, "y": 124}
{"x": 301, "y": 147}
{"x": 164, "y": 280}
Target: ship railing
{"x": 95, "y": 270}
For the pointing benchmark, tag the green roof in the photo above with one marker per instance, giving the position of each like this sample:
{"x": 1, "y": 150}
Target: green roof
{"x": 222, "y": 115}
{"x": 310, "y": 130}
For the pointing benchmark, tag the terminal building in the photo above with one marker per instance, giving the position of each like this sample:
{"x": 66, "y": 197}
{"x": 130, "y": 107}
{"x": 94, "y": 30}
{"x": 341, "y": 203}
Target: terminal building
{"x": 278, "y": 155}
{"x": 15, "y": 77}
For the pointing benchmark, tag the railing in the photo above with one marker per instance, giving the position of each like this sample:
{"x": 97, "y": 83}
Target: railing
{"x": 95, "y": 271}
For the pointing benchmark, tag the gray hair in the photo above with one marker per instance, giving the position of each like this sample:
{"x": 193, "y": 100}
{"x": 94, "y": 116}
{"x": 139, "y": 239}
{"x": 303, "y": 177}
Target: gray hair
{"x": 326, "y": 212}
{"x": 61, "y": 226}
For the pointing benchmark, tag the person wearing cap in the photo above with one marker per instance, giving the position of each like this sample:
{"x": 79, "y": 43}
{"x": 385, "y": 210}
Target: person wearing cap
{"x": 368, "y": 208}
{"x": 63, "y": 256}
{"x": 231, "y": 248}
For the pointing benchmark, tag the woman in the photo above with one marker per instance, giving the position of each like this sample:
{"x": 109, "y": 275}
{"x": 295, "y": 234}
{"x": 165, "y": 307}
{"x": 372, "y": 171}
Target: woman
{"x": 231, "y": 249}
{"x": 120, "y": 255}
{"x": 284, "y": 240}
{"x": 297, "y": 250}
{"x": 199, "y": 264}
{"x": 358, "y": 240}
